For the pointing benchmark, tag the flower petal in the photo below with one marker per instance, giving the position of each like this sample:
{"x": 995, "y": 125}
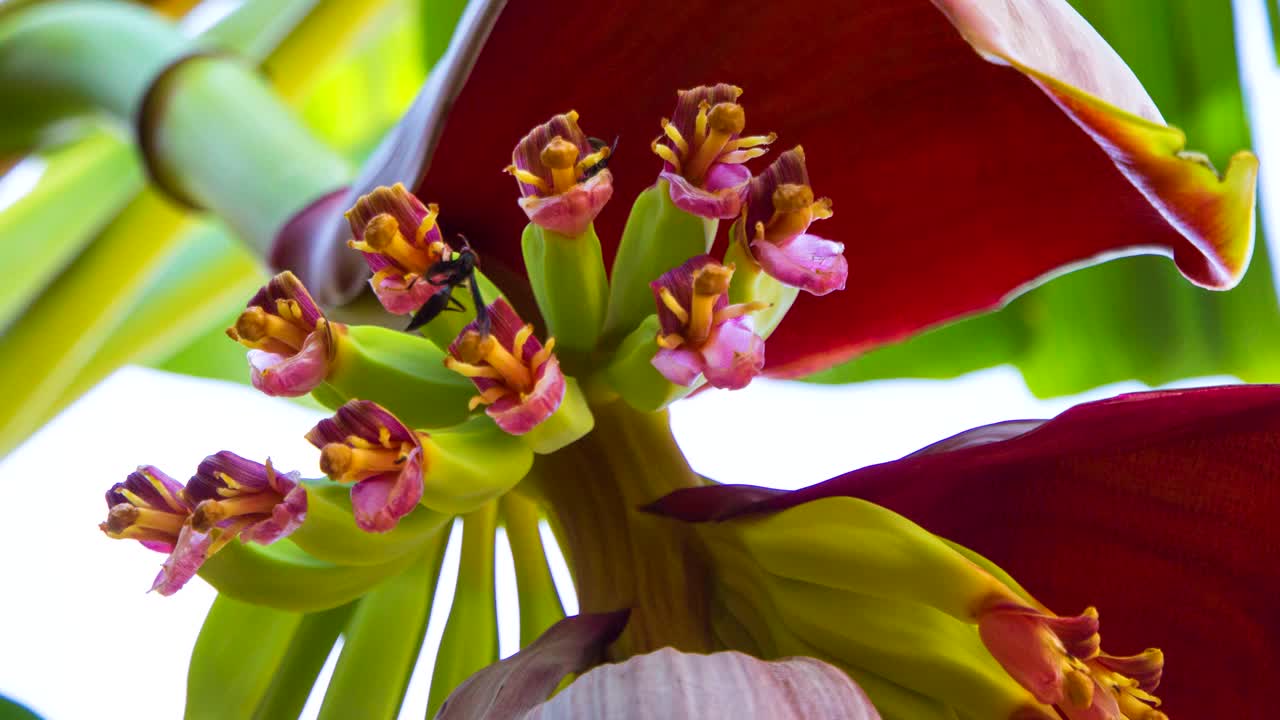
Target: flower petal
{"x": 1115, "y": 504}
{"x": 293, "y": 376}
{"x": 186, "y": 558}
{"x": 1048, "y": 153}
{"x": 513, "y": 686}
{"x": 806, "y": 261}
{"x": 671, "y": 684}
{"x": 380, "y": 501}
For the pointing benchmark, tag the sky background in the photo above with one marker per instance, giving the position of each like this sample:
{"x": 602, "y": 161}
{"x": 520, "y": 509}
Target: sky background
{"x": 80, "y": 636}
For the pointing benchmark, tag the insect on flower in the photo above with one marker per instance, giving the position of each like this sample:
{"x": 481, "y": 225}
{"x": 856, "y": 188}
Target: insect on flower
{"x": 597, "y": 145}
{"x": 452, "y": 273}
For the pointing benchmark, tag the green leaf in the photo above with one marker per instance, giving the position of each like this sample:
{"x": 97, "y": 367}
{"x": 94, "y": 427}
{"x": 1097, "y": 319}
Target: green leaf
{"x": 12, "y": 710}
{"x": 1134, "y": 318}
{"x": 84, "y": 184}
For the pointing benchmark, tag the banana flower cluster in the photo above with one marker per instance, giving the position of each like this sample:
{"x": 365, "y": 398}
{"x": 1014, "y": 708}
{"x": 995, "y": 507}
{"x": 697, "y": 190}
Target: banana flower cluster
{"x": 888, "y": 592}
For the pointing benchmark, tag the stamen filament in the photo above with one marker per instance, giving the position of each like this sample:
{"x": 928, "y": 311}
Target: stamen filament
{"x": 472, "y": 371}
{"x": 347, "y": 464}
{"x": 674, "y": 306}
{"x": 382, "y": 235}
{"x": 528, "y": 178}
{"x": 154, "y": 520}
{"x": 513, "y": 370}
{"x": 735, "y": 311}
{"x": 522, "y": 337}
{"x": 259, "y": 327}
{"x": 666, "y": 153}
{"x": 427, "y": 225}
{"x": 674, "y": 135}
{"x": 488, "y": 397}
{"x": 540, "y": 357}
{"x": 720, "y": 124}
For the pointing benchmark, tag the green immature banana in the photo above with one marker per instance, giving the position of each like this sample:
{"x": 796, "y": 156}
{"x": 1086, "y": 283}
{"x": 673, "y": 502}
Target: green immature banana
{"x": 284, "y": 577}
{"x": 752, "y": 284}
{"x": 330, "y": 533}
{"x": 471, "y": 464}
{"x": 294, "y": 678}
{"x": 740, "y": 597}
{"x": 633, "y": 375}
{"x": 239, "y": 648}
{"x": 569, "y": 283}
{"x": 856, "y": 545}
{"x": 470, "y": 639}
{"x": 540, "y": 606}
{"x": 383, "y": 639}
{"x": 907, "y": 643}
{"x": 658, "y": 236}
{"x": 404, "y": 373}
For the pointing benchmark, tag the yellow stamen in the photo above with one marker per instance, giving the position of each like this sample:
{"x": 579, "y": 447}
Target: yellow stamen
{"x": 700, "y": 123}
{"x": 674, "y": 306}
{"x": 513, "y": 370}
{"x": 721, "y": 123}
{"x": 488, "y": 397}
{"x": 347, "y": 464}
{"x": 122, "y": 516}
{"x": 666, "y": 153}
{"x": 160, "y": 487}
{"x": 382, "y": 235}
{"x": 230, "y": 482}
{"x": 1078, "y": 687}
{"x": 561, "y": 157}
{"x": 709, "y": 283}
{"x": 522, "y": 337}
{"x": 223, "y": 535}
{"x": 592, "y": 160}
{"x": 541, "y": 357}
{"x": 211, "y": 512}
{"x": 751, "y": 141}
{"x": 674, "y": 135}
{"x": 737, "y": 157}
{"x": 257, "y": 328}
{"x": 670, "y": 342}
{"x": 730, "y": 312}
{"x": 528, "y": 178}
{"x": 470, "y": 370}
{"x": 136, "y": 533}
{"x": 427, "y": 225}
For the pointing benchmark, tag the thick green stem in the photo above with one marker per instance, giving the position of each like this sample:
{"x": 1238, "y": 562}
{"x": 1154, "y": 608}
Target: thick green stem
{"x": 266, "y": 165}
{"x": 214, "y": 135}
{"x": 619, "y": 555}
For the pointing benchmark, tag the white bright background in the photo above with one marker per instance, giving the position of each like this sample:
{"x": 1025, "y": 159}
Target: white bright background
{"x": 80, "y": 637}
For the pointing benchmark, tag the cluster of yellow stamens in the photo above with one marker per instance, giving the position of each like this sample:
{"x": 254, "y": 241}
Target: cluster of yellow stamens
{"x": 482, "y": 356}
{"x": 282, "y": 333}
{"x": 701, "y": 317}
{"x": 357, "y": 458}
{"x": 382, "y": 236}
{"x": 560, "y": 156}
{"x": 712, "y": 141}
{"x": 236, "y": 504}
{"x": 794, "y": 209}
{"x": 138, "y": 520}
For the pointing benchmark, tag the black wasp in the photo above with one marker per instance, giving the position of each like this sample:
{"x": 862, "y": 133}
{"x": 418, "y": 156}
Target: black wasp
{"x": 450, "y": 274}
{"x": 596, "y": 146}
